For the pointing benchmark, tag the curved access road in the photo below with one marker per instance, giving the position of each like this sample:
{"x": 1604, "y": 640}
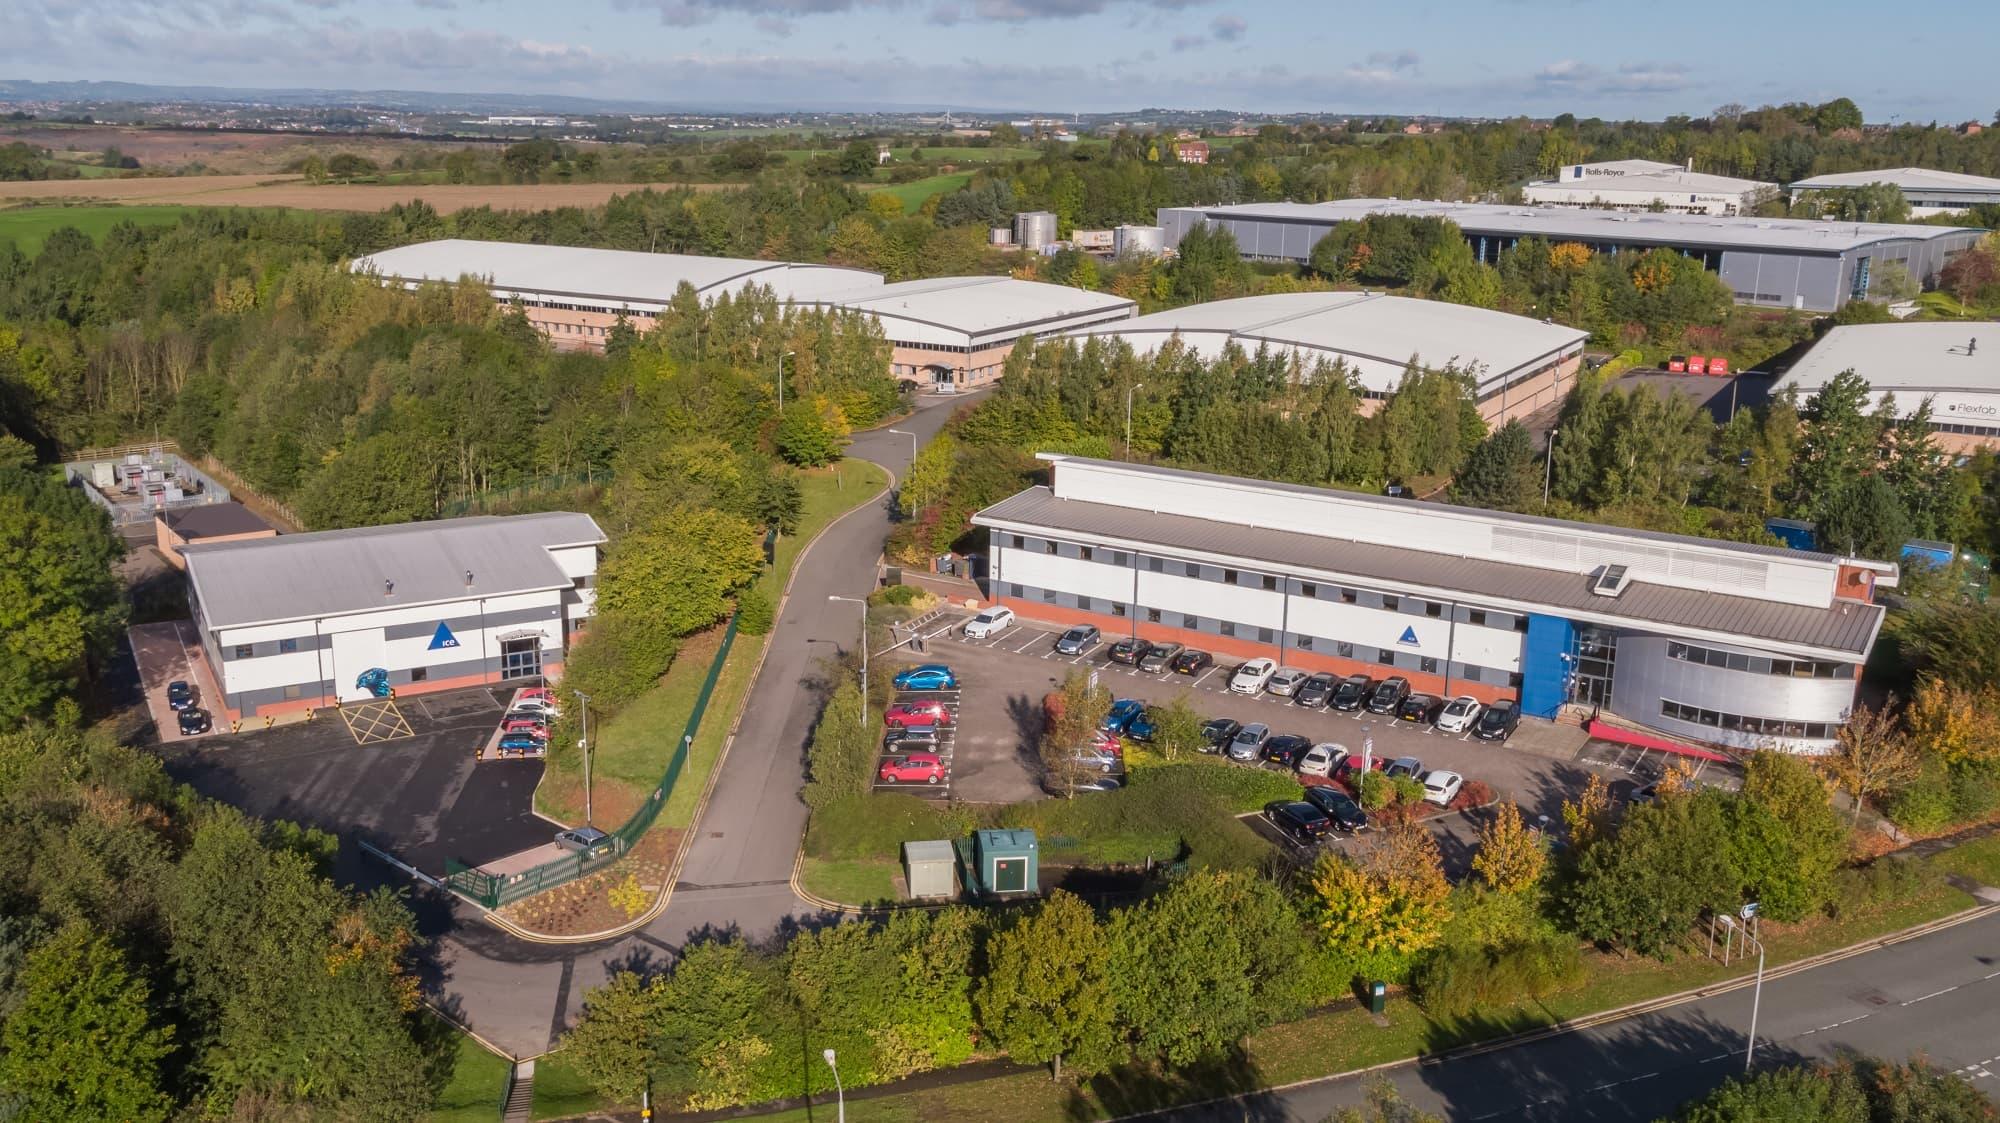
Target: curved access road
{"x": 736, "y": 877}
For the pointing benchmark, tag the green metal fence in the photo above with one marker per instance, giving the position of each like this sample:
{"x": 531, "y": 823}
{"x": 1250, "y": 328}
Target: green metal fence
{"x": 493, "y": 890}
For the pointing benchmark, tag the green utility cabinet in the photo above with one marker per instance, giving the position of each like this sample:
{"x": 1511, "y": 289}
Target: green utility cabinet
{"x": 1003, "y": 864}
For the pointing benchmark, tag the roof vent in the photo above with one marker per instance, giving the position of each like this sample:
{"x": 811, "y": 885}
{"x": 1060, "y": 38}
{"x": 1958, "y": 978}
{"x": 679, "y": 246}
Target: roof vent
{"x": 388, "y": 587}
{"x": 468, "y": 579}
{"x": 1610, "y": 581}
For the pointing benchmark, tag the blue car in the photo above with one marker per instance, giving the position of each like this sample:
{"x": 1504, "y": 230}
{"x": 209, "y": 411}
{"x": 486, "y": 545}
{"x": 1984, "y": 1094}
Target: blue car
{"x": 1123, "y": 713}
{"x": 520, "y": 744}
{"x": 930, "y": 676}
{"x": 1140, "y": 728}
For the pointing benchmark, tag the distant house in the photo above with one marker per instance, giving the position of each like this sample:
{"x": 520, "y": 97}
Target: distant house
{"x": 213, "y": 522}
{"x": 1191, "y": 152}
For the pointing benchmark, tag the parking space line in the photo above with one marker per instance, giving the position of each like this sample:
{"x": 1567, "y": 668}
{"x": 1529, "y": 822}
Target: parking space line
{"x": 1032, "y": 641}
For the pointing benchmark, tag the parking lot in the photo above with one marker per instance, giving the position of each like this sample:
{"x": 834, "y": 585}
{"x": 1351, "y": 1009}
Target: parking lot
{"x": 943, "y": 749}
{"x": 1003, "y": 680}
{"x": 166, "y": 653}
{"x": 422, "y": 797}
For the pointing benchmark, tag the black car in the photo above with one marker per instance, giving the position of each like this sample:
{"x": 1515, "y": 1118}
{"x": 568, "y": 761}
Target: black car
{"x": 1316, "y": 690}
{"x": 1216, "y": 732}
{"x": 1286, "y": 749}
{"x": 1389, "y": 694}
{"x": 1160, "y": 656}
{"x": 1338, "y": 806}
{"x": 1497, "y": 720}
{"x": 194, "y": 720}
{"x": 1298, "y": 819}
{"x": 1352, "y": 693}
{"x": 1128, "y": 650}
{"x": 1077, "y": 640}
{"x": 1192, "y": 662}
{"x": 179, "y": 695}
{"x": 1420, "y": 708}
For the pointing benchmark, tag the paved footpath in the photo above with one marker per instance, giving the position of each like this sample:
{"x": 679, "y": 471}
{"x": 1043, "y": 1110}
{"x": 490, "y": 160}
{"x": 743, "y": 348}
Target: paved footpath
{"x": 737, "y": 876}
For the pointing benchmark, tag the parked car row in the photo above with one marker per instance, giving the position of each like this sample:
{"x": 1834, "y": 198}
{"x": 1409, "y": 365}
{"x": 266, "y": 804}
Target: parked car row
{"x": 917, "y": 727}
{"x": 181, "y": 699}
{"x": 1391, "y": 697}
{"x": 524, "y": 728}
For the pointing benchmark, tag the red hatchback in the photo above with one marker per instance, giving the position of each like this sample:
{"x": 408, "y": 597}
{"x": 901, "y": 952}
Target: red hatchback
{"x": 529, "y": 726}
{"x": 929, "y": 712}
{"x": 912, "y": 768}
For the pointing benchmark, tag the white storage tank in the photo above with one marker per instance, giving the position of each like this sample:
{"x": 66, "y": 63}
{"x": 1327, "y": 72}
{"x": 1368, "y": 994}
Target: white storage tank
{"x": 1034, "y": 229}
{"x": 1003, "y": 236}
{"x": 1140, "y": 241}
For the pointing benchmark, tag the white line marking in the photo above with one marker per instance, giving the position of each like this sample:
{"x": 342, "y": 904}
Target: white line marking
{"x": 1032, "y": 641}
{"x": 1931, "y": 995}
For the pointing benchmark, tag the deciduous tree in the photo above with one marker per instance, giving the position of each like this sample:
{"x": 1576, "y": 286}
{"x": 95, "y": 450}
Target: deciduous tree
{"x": 79, "y": 1045}
{"x": 1047, "y": 995}
{"x": 1511, "y": 858}
{"x": 1871, "y": 756}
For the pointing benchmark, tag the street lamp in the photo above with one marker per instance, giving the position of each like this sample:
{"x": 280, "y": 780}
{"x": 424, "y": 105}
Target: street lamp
{"x": 1129, "y": 391}
{"x": 1757, "y": 994}
{"x": 864, "y": 658}
{"x": 1549, "y": 466}
{"x": 913, "y": 441}
{"x": 781, "y": 377}
{"x": 583, "y": 742}
{"x": 840, "y": 1093}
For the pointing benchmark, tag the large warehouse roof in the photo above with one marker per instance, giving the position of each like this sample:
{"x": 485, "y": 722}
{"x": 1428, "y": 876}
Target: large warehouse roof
{"x": 981, "y": 308}
{"x": 336, "y": 572}
{"x": 1908, "y": 359}
{"x": 1572, "y": 224}
{"x": 617, "y": 276}
{"x": 1375, "y": 334}
{"x": 1909, "y": 179}
{"x": 1624, "y": 177}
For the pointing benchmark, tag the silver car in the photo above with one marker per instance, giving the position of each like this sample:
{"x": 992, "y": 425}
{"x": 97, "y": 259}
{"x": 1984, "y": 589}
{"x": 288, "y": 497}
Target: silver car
{"x": 1247, "y": 747}
{"x": 1285, "y": 680}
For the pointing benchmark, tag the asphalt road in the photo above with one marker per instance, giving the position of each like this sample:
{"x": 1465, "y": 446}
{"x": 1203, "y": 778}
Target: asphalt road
{"x": 1937, "y": 995}
{"x": 737, "y": 875}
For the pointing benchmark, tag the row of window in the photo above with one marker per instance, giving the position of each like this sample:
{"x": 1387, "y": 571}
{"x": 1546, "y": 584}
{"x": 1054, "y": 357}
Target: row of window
{"x": 1754, "y": 726}
{"x": 634, "y": 313}
{"x": 1758, "y": 664}
{"x": 558, "y": 327}
{"x": 1964, "y": 429}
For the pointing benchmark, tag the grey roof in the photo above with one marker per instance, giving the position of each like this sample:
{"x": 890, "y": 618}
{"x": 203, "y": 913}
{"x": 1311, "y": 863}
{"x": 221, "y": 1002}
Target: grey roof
{"x": 212, "y": 519}
{"x": 337, "y": 572}
{"x": 1846, "y": 628}
{"x": 1909, "y": 179}
{"x": 612, "y": 275}
{"x": 1911, "y": 359}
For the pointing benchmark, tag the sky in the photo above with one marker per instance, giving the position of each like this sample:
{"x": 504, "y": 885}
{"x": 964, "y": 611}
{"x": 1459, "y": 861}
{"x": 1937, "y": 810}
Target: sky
{"x": 1608, "y": 58}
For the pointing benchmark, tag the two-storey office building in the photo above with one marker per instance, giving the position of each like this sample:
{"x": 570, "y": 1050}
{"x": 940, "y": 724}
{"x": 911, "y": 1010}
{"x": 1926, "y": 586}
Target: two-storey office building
{"x": 1722, "y": 642}
{"x": 301, "y": 620}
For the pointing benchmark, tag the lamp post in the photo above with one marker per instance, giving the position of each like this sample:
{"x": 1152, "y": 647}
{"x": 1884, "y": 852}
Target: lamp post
{"x": 781, "y": 377}
{"x": 1549, "y": 466}
{"x": 864, "y": 658}
{"x": 583, "y": 742}
{"x": 913, "y": 441}
{"x": 840, "y": 1093}
{"x": 1129, "y": 391}
{"x": 1757, "y": 993}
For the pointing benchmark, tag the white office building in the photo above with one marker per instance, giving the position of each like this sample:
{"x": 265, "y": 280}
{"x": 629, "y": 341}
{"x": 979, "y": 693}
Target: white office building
{"x": 1648, "y": 185}
{"x": 1928, "y": 192}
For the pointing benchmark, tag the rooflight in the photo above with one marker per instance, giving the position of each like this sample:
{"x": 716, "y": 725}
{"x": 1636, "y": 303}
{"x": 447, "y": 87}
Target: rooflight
{"x": 1610, "y": 581}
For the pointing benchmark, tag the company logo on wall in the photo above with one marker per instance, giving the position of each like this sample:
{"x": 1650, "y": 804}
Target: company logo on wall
{"x": 443, "y": 637}
{"x": 1409, "y": 637}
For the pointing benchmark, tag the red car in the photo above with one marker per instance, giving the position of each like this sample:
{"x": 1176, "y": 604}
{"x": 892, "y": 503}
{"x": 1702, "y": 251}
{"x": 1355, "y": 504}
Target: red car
{"x": 1678, "y": 364}
{"x": 1718, "y": 365}
{"x": 930, "y": 712}
{"x": 526, "y": 725}
{"x": 912, "y": 768}
{"x": 1351, "y": 767}
{"x": 1697, "y": 364}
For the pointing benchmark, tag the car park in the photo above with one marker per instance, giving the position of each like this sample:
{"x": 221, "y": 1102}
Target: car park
{"x": 539, "y": 705}
{"x": 533, "y": 727}
{"x": 923, "y": 711}
{"x": 179, "y": 695}
{"x": 1645, "y": 793}
{"x": 1338, "y": 806}
{"x": 1322, "y": 759}
{"x": 1405, "y": 766}
{"x": 194, "y": 721}
{"x": 1350, "y": 769}
{"x": 1217, "y": 732}
{"x": 988, "y": 623}
{"x": 1352, "y": 693}
{"x": 1077, "y": 640}
{"x": 904, "y": 736}
{"x": 1441, "y": 787}
{"x": 521, "y": 744}
{"x": 1251, "y": 677}
{"x": 929, "y": 676}
{"x": 1298, "y": 820}
{"x": 1192, "y": 662}
{"x": 1388, "y": 694}
{"x": 1459, "y": 714}
{"x": 911, "y": 768}
{"x": 1128, "y": 650}
{"x": 1121, "y": 714}
{"x": 1159, "y": 657}
{"x": 1286, "y": 750}
{"x": 1316, "y": 689}
{"x": 1420, "y": 709}
{"x": 1498, "y": 720}
{"x": 1141, "y": 728}
{"x": 1248, "y": 743}
{"x": 537, "y": 718}
{"x": 1285, "y": 681}
{"x": 583, "y": 840}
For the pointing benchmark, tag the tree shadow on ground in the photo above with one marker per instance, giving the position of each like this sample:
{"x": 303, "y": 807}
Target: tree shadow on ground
{"x": 1134, "y": 1088}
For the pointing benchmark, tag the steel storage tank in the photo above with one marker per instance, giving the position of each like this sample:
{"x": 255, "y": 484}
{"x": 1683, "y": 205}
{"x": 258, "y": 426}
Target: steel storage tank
{"x": 1034, "y": 229}
{"x": 1003, "y": 236}
{"x": 1140, "y": 241}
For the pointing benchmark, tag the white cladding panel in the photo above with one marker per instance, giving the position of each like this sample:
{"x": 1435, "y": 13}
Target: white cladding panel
{"x": 276, "y": 670}
{"x": 1070, "y": 575}
{"x": 384, "y": 617}
{"x": 1174, "y": 593}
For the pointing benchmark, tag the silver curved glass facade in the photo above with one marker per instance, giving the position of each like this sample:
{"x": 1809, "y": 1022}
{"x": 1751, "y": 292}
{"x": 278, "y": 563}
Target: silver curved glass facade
{"x": 1751, "y": 700}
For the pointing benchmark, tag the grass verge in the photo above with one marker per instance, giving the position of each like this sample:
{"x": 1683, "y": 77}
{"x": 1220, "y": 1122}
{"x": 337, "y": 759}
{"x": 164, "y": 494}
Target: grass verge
{"x": 477, "y": 1086}
{"x": 561, "y": 1091}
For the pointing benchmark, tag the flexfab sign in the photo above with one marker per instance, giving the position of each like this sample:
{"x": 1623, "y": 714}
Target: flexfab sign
{"x": 443, "y": 637}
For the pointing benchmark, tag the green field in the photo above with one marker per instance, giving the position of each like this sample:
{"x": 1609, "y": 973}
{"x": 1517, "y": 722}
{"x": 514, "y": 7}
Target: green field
{"x": 478, "y": 1083}
{"x": 916, "y": 191}
{"x": 29, "y": 227}
{"x": 957, "y": 154}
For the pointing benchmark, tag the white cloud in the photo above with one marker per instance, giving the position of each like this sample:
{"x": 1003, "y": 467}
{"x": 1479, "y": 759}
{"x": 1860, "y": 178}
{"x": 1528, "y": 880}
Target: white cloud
{"x": 1227, "y": 28}
{"x": 1383, "y": 67}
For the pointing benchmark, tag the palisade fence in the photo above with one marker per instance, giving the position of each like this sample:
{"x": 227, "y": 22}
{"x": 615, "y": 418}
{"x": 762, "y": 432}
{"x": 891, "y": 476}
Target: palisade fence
{"x": 490, "y": 890}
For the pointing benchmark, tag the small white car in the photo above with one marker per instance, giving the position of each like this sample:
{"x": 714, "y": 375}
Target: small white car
{"x": 991, "y": 622}
{"x": 1441, "y": 787}
{"x": 1286, "y": 680}
{"x": 538, "y": 706}
{"x": 1251, "y": 677}
{"x": 1322, "y": 759}
{"x": 1459, "y": 714}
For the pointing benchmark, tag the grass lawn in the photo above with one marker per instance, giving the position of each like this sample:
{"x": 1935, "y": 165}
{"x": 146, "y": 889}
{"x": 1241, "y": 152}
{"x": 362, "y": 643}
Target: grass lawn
{"x": 29, "y": 227}
{"x": 915, "y": 192}
{"x": 478, "y": 1084}
{"x": 560, "y": 1090}
{"x": 1978, "y": 860}
{"x": 851, "y": 881}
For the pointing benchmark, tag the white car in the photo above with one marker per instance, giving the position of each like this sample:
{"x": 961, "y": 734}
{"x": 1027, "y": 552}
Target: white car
{"x": 1251, "y": 677}
{"x": 1286, "y": 680}
{"x": 1441, "y": 787}
{"x": 1322, "y": 759}
{"x": 991, "y": 622}
{"x": 1459, "y": 714}
{"x": 538, "y": 706}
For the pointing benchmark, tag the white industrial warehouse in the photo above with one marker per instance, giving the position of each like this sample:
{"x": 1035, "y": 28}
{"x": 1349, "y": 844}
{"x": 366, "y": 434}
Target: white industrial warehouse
{"x": 303, "y": 620}
{"x": 1727, "y": 643}
{"x": 1928, "y": 192}
{"x": 1779, "y": 262}
{"x": 1519, "y": 364}
{"x": 1648, "y": 185}
{"x": 1953, "y": 366}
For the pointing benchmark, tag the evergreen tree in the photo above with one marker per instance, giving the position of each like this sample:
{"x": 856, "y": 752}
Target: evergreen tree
{"x": 1499, "y": 472}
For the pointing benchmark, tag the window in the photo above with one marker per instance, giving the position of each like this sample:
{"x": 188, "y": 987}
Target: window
{"x": 1085, "y": 553}
{"x": 1193, "y": 569}
{"x": 1309, "y": 590}
{"x": 1048, "y": 547}
{"x": 1083, "y": 603}
{"x": 244, "y": 651}
{"x": 1305, "y": 643}
{"x": 419, "y": 674}
{"x": 1226, "y": 628}
{"x": 1049, "y": 596}
{"x": 1476, "y": 618}
{"x": 1343, "y": 649}
{"x": 1270, "y": 583}
{"x": 1390, "y": 603}
{"x": 1152, "y": 616}
{"x": 1191, "y": 623}
{"x": 1019, "y": 542}
{"x": 1514, "y": 680}
{"x": 1117, "y": 609}
{"x": 294, "y": 691}
{"x": 1520, "y": 623}
{"x": 1229, "y": 577}
{"x": 1347, "y": 596}
{"x": 1385, "y": 657}
{"x": 1013, "y": 590}
{"x": 1157, "y": 565}
{"x": 1468, "y": 672}
{"x": 1118, "y": 557}
{"x": 1264, "y": 635}
{"x": 287, "y": 646}
{"x": 1433, "y": 609}
{"x": 1428, "y": 665}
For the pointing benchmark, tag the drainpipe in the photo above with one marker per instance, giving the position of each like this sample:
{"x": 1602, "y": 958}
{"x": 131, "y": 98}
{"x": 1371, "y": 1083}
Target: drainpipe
{"x": 1135, "y": 594}
{"x": 1284, "y": 615}
{"x": 485, "y": 664}
{"x": 319, "y": 664}
{"x": 1450, "y": 643}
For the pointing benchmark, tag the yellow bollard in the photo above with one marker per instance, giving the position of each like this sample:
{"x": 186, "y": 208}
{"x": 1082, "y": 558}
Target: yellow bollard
{"x": 311, "y": 713}
{"x": 236, "y": 725}
{"x": 269, "y": 721}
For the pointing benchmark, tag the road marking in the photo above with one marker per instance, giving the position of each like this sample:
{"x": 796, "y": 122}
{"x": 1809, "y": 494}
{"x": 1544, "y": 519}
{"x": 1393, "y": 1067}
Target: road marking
{"x": 1835, "y": 1025}
{"x": 1931, "y": 995}
{"x": 1032, "y": 641}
